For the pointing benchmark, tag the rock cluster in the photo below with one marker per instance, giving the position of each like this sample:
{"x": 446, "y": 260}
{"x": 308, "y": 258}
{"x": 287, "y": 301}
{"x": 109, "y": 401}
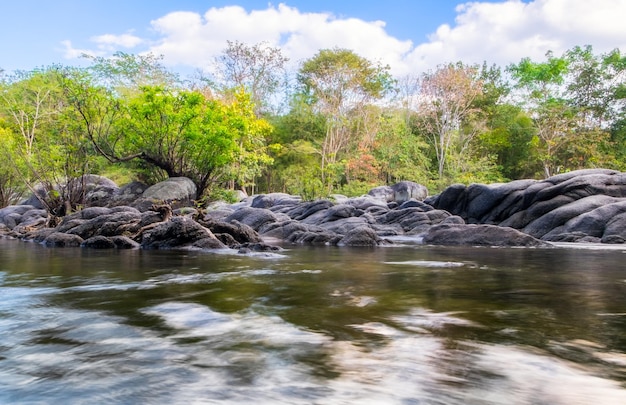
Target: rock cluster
{"x": 582, "y": 206}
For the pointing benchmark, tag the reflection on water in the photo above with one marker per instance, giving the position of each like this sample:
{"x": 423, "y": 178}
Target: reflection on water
{"x": 397, "y": 325}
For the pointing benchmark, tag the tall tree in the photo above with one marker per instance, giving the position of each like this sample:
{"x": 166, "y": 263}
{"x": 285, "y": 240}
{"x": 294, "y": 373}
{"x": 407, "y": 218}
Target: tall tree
{"x": 542, "y": 86}
{"x": 124, "y": 73}
{"x": 340, "y": 84}
{"x": 48, "y": 149}
{"x": 259, "y": 69}
{"x": 447, "y": 102}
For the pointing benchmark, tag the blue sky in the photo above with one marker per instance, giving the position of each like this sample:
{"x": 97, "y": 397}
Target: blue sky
{"x": 409, "y": 35}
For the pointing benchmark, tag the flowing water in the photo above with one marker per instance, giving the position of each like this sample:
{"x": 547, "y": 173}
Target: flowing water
{"x": 406, "y": 324}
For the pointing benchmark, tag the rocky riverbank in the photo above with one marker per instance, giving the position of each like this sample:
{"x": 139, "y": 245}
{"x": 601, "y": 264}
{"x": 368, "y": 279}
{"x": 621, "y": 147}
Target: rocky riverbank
{"x": 582, "y": 206}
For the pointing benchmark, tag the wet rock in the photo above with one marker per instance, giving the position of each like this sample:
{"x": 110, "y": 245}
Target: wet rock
{"x": 98, "y": 242}
{"x": 179, "y": 232}
{"x": 59, "y": 239}
{"x": 361, "y": 236}
{"x": 237, "y": 232}
{"x": 479, "y": 235}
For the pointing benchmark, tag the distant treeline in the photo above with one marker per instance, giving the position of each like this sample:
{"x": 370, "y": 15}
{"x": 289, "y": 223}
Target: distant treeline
{"x": 339, "y": 124}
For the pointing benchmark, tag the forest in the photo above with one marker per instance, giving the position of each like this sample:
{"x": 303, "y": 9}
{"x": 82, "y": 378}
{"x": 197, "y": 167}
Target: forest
{"x": 336, "y": 123}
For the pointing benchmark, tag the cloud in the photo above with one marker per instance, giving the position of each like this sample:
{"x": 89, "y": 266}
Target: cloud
{"x": 505, "y": 32}
{"x": 69, "y": 52}
{"x": 110, "y": 41}
{"x": 194, "y": 39}
{"x": 105, "y": 44}
{"x": 496, "y": 32}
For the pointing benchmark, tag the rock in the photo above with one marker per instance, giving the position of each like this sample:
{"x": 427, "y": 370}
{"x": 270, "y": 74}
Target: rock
{"x": 98, "y": 242}
{"x": 240, "y": 233}
{"x": 112, "y": 224}
{"x": 558, "y": 215}
{"x": 179, "y": 232}
{"x": 98, "y": 190}
{"x": 274, "y": 199}
{"x": 408, "y": 190}
{"x": 179, "y": 191}
{"x": 343, "y": 226}
{"x": 400, "y": 192}
{"x": 367, "y": 204}
{"x": 11, "y": 216}
{"x": 360, "y": 236}
{"x": 307, "y": 209}
{"x": 59, "y": 239}
{"x": 382, "y": 193}
{"x": 124, "y": 242}
{"x": 128, "y": 193}
{"x": 255, "y": 218}
{"x": 479, "y": 235}
{"x": 258, "y": 247}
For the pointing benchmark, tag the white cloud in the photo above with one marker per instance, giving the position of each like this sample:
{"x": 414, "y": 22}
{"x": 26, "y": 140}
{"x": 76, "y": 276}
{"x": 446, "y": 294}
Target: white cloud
{"x": 69, "y": 52}
{"x": 105, "y": 44}
{"x": 501, "y": 33}
{"x": 110, "y": 41}
{"x": 505, "y": 32}
{"x": 190, "y": 38}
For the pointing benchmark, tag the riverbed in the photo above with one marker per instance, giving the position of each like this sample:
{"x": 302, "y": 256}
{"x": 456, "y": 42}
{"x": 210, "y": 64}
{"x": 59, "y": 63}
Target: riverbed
{"x": 403, "y": 324}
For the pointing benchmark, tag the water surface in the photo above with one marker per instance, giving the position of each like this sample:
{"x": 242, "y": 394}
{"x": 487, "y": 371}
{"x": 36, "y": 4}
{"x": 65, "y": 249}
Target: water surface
{"x": 313, "y": 325}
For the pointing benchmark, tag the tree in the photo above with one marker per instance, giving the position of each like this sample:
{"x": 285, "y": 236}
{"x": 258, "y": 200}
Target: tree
{"x": 48, "y": 150}
{"x": 340, "y": 84}
{"x": 543, "y": 94}
{"x": 258, "y": 69}
{"x": 125, "y": 72}
{"x": 447, "y": 103}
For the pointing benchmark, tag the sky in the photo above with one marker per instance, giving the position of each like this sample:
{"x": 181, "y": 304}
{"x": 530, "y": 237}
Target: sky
{"x": 411, "y": 36}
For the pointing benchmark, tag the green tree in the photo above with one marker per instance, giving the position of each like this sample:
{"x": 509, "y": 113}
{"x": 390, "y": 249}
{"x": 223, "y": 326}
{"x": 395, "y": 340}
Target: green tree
{"x": 447, "y": 111}
{"x": 49, "y": 151}
{"x": 340, "y": 85}
{"x": 259, "y": 69}
{"x": 542, "y": 89}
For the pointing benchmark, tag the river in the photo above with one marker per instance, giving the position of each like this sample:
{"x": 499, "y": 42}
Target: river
{"x": 408, "y": 324}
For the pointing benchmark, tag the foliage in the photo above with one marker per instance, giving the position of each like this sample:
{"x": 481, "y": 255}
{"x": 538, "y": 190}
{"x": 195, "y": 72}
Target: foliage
{"x": 258, "y": 69}
{"x": 340, "y": 84}
{"x": 348, "y": 127}
{"x": 447, "y": 112}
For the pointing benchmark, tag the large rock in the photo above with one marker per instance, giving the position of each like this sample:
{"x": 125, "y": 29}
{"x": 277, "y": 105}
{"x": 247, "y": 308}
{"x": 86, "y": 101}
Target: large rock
{"x": 59, "y": 239}
{"x": 180, "y": 190}
{"x": 400, "y": 192}
{"x": 128, "y": 193}
{"x": 255, "y": 218}
{"x": 179, "y": 233}
{"x": 479, "y": 235}
{"x": 360, "y": 236}
{"x": 408, "y": 190}
{"x": 568, "y": 206}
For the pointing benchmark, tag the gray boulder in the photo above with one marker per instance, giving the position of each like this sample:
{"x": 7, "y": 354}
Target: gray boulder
{"x": 179, "y": 190}
{"x": 408, "y": 190}
{"x": 128, "y": 193}
{"x": 400, "y": 192}
{"x": 256, "y": 218}
{"x": 98, "y": 242}
{"x": 274, "y": 199}
{"x": 360, "y": 236}
{"x": 240, "y": 233}
{"x": 180, "y": 233}
{"x": 479, "y": 235}
{"x": 59, "y": 239}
